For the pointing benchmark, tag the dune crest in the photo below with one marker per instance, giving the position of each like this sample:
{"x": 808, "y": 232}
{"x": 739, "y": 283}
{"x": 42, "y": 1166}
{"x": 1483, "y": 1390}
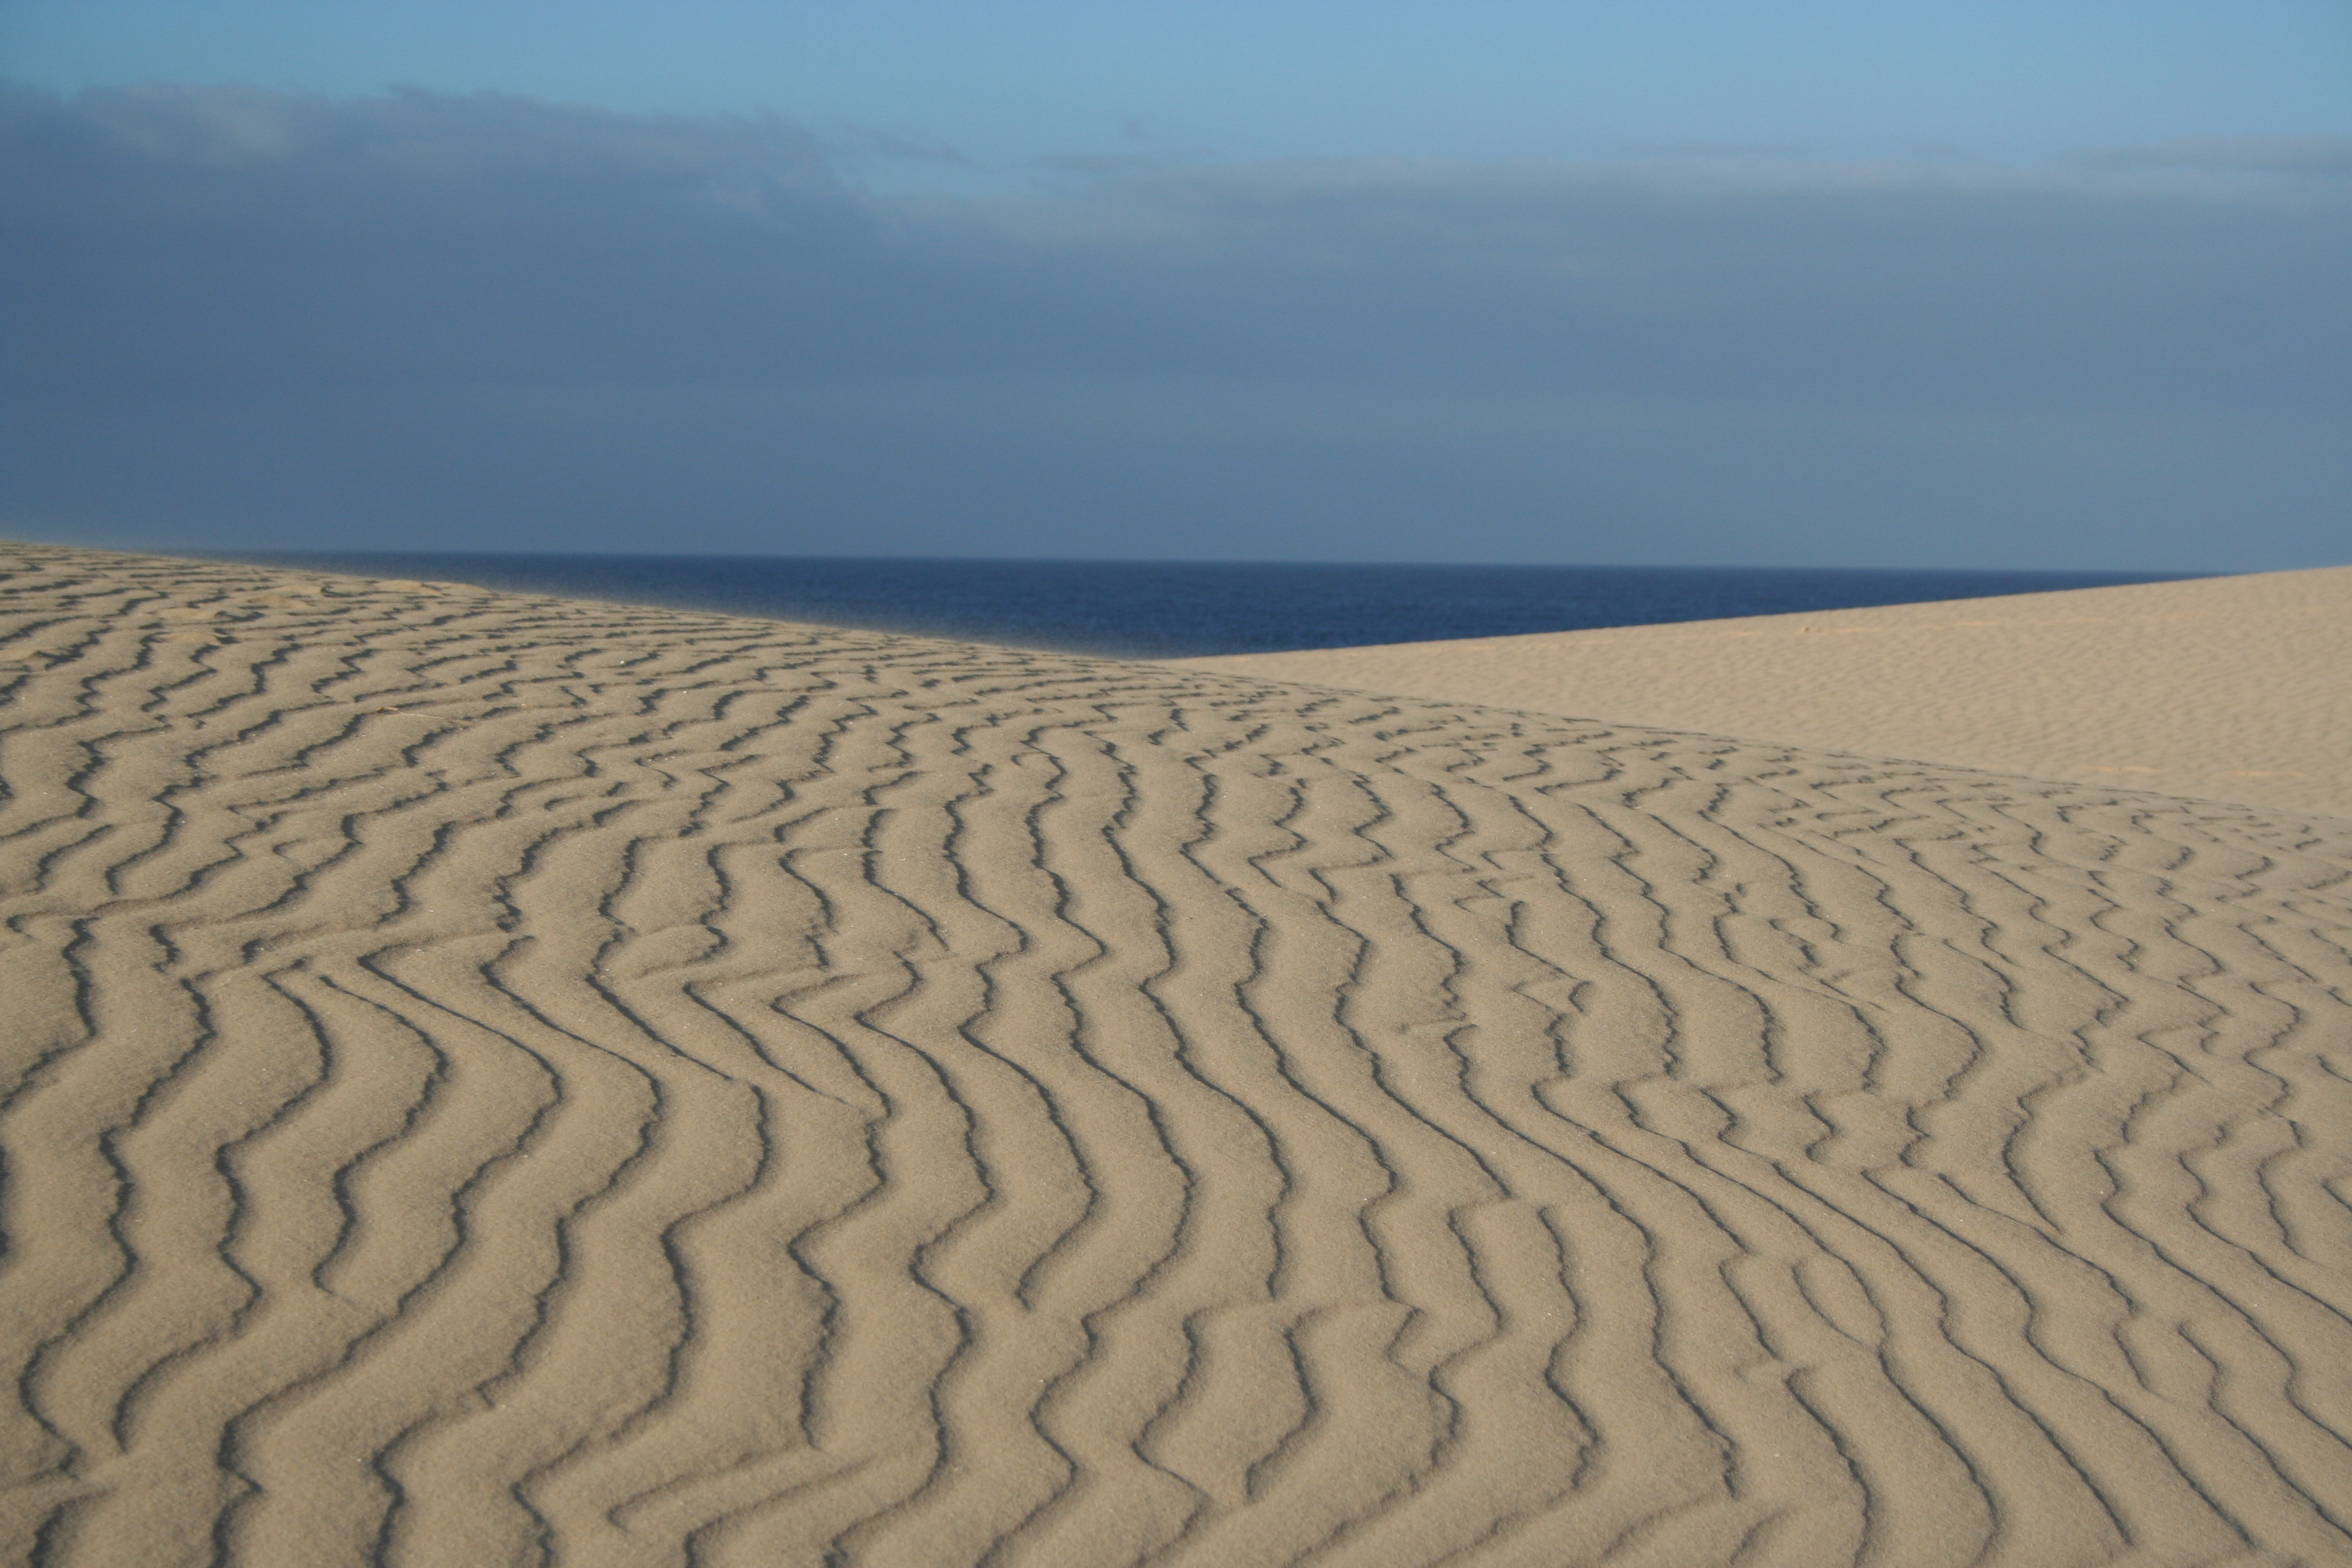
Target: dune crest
{"x": 2224, "y": 688}
{"x": 499, "y": 1080}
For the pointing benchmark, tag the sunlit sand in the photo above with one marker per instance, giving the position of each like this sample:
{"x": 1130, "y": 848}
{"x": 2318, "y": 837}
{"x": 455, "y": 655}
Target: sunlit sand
{"x": 496, "y": 1079}
{"x": 2229, "y": 687}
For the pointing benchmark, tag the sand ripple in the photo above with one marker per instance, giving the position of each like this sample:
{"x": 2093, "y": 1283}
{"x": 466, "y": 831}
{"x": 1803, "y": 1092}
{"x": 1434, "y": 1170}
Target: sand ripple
{"x": 490, "y": 1081}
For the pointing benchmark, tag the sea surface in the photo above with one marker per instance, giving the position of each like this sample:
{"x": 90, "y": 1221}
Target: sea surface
{"x": 1147, "y": 609}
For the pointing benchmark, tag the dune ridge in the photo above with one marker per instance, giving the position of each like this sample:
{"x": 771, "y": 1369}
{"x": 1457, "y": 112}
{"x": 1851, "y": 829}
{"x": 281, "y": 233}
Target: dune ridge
{"x": 2227, "y": 687}
{"x": 501, "y": 1080}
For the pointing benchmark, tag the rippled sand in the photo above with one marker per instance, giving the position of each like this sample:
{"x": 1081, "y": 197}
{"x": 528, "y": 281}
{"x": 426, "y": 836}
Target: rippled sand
{"x": 2227, "y": 687}
{"x": 501, "y": 1080}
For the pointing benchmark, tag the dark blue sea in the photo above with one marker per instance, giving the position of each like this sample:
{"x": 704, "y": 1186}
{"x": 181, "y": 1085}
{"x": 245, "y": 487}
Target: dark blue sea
{"x": 1168, "y": 609}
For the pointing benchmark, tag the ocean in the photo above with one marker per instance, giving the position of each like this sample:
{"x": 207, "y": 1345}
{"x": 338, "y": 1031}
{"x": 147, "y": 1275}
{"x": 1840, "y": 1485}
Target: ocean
{"x": 1172, "y": 609}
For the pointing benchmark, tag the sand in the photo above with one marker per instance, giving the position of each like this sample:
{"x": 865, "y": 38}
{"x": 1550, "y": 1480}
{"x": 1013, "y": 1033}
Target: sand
{"x": 493, "y": 1080}
{"x": 2225, "y": 688}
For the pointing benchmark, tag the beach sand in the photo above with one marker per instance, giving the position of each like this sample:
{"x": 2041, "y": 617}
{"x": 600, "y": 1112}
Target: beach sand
{"x": 2225, "y": 688}
{"x": 492, "y": 1080}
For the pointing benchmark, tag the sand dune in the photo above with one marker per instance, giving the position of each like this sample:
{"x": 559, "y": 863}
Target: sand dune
{"x": 2227, "y": 687}
{"x": 495, "y": 1081}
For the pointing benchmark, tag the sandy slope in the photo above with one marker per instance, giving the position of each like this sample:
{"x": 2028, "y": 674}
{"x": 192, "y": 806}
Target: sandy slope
{"x": 2230, "y": 688}
{"x": 492, "y": 1081}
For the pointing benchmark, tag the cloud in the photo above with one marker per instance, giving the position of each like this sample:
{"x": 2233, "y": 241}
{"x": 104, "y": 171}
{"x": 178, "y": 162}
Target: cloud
{"x": 2309, "y": 154}
{"x": 172, "y": 237}
{"x": 263, "y": 312}
{"x": 187, "y": 237}
{"x": 413, "y": 135}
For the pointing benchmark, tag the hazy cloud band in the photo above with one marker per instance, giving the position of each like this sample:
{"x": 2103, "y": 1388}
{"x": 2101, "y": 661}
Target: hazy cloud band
{"x": 177, "y": 246}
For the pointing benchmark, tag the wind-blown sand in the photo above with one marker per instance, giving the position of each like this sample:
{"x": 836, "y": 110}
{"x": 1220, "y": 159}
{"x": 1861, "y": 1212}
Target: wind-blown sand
{"x": 496, "y": 1081}
{"x": 2229, "y": 687}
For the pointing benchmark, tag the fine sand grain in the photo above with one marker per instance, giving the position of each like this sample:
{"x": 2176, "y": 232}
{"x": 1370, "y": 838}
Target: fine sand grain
{"x": 497, "y": 1081}
{"x": 2229, "y": 687}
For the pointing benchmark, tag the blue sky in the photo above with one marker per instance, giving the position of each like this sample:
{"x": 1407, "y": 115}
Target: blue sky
{"x": 1962, "y": 284}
